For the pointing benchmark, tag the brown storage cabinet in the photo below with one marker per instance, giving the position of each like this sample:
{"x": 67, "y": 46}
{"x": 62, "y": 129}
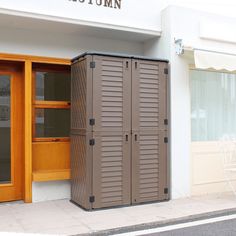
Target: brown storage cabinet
{"x": 119, "y": 130}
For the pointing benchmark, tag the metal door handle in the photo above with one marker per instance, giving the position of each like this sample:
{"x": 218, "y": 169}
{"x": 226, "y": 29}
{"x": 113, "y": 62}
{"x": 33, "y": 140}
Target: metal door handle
{"x": 126, "y": 138}
{"x": 135, "y": 137}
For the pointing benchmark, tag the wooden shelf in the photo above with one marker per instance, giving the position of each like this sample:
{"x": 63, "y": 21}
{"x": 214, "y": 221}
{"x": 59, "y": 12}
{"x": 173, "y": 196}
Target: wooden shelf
{"x": 50, "y": 175}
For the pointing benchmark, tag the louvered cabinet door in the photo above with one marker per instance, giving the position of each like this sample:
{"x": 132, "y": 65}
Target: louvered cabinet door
{"x": 112, "y": 94}
{"x": 112, "y": 128}
{"x": 149, "y": 166}
{"x": 111, "y": 169}
{"x": 149, "y": 131}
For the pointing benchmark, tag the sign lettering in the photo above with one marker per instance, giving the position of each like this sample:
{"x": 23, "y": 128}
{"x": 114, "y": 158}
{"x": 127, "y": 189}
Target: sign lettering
{"x": 116, "y": 4}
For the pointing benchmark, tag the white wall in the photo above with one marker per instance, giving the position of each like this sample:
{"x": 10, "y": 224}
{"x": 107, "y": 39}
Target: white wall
{"x": 180, "y": 105}
{"x": 187, "y": 25}
{"x": 41, "y": 43}
{"x": 46, "y": 191}
{"x": 131, "y": 13}
{"x": 184, "y": 23}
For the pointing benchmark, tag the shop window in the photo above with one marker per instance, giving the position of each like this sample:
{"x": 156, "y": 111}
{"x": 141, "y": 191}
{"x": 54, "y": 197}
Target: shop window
{"x": 51, "y": 102}
{"x": 52, "y": 122}
{"x": 52, "y": 86}
{"x": 213, "y": 105}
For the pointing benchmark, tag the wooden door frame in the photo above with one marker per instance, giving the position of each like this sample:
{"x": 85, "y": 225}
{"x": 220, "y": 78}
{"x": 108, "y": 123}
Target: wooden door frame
{"x": 28, "y": 60}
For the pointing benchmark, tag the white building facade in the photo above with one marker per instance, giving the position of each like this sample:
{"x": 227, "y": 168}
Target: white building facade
{"x": 67, "y": 28}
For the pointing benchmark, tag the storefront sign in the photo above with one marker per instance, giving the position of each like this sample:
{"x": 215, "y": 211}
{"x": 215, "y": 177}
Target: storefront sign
{"x": 104, "y": 3}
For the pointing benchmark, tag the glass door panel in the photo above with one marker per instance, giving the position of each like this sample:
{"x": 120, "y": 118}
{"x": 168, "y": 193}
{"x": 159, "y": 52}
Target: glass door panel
{"x": 5, "y": 129}
{"x": 11, "y": 131}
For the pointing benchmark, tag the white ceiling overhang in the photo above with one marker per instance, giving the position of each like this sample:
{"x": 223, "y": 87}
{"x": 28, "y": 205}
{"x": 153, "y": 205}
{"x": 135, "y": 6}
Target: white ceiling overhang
{"x": 44, "y": 23}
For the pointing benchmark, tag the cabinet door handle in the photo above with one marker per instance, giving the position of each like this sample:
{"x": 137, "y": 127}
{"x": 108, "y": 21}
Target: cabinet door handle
{"x": 126, "y": 137}
{"x": 136, "y": 137}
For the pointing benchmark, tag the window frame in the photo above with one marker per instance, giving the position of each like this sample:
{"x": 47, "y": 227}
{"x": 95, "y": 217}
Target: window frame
{"x": 38, "y": 67}
{"x": 191, "y": 68}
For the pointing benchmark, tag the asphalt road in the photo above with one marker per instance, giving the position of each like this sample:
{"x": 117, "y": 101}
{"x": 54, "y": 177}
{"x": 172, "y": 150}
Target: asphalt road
{"x": 223, "y": 228}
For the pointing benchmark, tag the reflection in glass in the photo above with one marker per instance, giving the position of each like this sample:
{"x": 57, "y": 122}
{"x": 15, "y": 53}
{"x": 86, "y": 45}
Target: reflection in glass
{"x": 5, "y": 129}
{"x": 213, "y": 103}
{"x": 53, "y": 86}
{"x": 52, "y": 122}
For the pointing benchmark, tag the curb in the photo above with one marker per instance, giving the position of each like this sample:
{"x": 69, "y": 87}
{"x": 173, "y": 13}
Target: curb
{"x": 162, "y": 223}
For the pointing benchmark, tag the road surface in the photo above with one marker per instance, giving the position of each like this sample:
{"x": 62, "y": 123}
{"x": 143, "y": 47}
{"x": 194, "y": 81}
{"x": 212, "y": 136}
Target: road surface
{"x": 220, "y": 226}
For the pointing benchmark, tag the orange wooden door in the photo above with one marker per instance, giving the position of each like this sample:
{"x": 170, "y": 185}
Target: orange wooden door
{"x": 11, "y": 133}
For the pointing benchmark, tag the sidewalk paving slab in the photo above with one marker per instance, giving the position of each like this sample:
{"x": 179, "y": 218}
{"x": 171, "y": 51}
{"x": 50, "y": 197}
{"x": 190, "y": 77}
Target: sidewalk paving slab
{"x": 61, "y": 217}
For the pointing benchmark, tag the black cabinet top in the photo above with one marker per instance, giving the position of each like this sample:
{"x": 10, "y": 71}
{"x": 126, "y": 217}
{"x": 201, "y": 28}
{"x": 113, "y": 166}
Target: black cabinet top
{"x": 108, "y": 54}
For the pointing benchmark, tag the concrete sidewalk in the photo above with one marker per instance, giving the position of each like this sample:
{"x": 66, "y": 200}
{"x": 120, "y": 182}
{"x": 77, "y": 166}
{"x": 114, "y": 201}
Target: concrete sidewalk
{"x": 64, "y": 218}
